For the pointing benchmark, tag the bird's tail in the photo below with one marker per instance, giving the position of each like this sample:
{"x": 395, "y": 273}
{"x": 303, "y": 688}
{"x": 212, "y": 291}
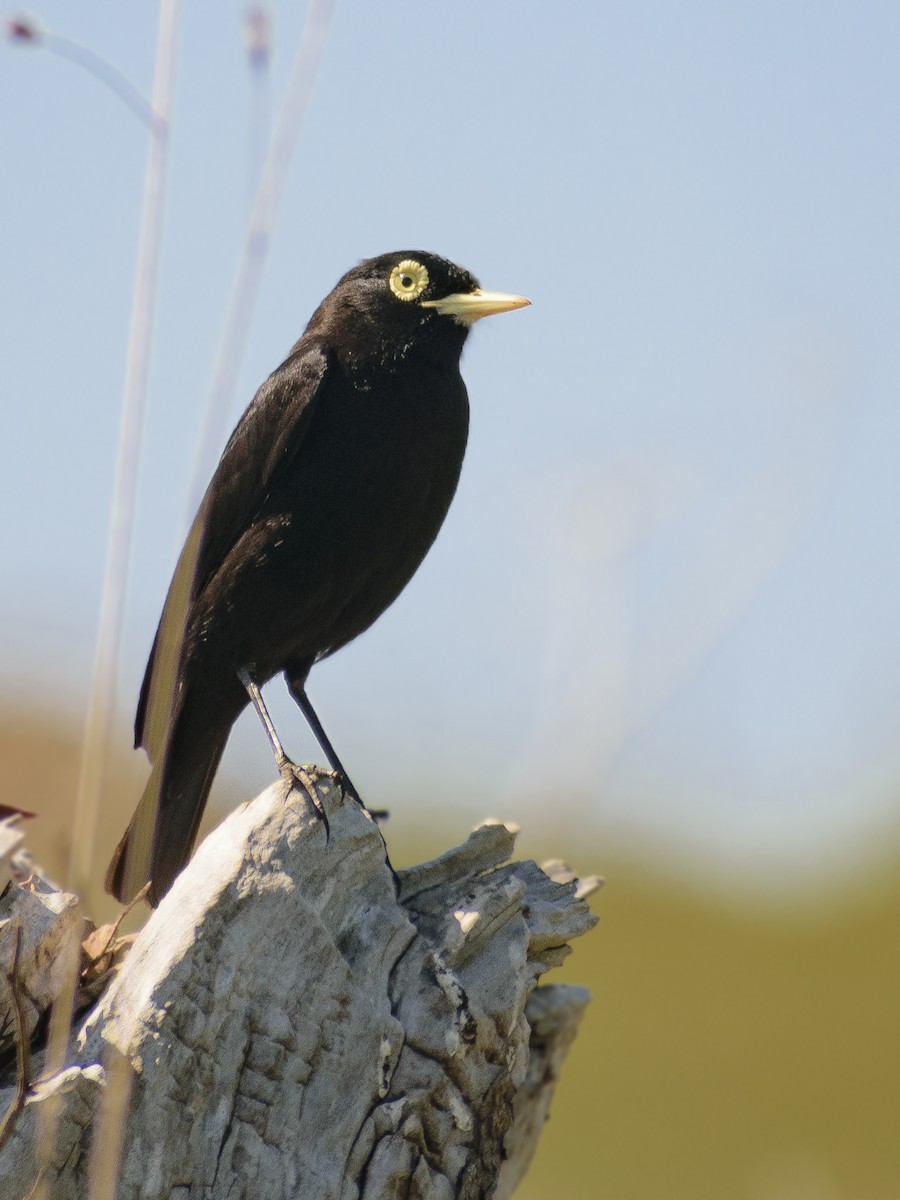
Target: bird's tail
{"x": 158, "y": 841}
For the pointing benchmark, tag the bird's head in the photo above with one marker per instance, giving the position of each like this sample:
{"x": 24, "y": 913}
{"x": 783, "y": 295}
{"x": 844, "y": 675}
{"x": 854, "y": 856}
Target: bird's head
{"x": 388, "y": 306}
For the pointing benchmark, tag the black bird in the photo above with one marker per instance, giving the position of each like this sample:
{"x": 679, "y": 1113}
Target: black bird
{"x": 327, "y": 497}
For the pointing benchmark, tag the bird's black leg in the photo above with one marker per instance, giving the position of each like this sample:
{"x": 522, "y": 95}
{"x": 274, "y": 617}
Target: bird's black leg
{"x": 295, "y": 677}
{"x": 281, "y": 759}
{"x": 287, "y": 768}
{"x": 296, "y": 682}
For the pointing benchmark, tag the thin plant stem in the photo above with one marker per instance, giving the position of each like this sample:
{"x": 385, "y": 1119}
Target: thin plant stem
{"x": 110, "y": 1120}
{"x": 267, "y": 203}
{"x": 29, "y": 31}
{"x": 257, "y": 41}
{"x": 108, "y": 75}
{"x": 101, "y": 705}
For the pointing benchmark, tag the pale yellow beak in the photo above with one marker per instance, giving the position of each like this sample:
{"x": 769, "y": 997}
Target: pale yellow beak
{"x": 468, "y": 307}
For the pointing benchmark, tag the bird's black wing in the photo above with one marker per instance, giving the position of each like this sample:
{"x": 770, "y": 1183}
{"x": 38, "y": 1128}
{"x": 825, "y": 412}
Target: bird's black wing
{"x": 262, "y": 446}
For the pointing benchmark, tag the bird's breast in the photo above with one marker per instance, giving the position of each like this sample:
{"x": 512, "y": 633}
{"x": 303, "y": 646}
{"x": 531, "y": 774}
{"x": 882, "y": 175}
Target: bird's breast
{"x": 364, "y": 502}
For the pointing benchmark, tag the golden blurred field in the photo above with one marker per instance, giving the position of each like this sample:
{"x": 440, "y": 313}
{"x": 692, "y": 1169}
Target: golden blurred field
{"x": 732, "y": 1051}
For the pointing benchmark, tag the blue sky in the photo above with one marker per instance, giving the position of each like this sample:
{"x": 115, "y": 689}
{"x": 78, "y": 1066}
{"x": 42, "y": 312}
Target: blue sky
{"x": 666, "y": 596}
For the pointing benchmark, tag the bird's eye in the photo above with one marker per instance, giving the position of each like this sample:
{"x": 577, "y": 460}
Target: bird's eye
{"x": 409, "y": 279}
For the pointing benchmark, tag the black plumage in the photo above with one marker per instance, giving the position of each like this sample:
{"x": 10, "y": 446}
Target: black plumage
{"x": 327, "y": 497}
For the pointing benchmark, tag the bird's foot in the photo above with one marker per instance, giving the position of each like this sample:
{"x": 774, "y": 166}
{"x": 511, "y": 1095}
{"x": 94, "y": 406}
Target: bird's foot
{"x": 304, "y": 778}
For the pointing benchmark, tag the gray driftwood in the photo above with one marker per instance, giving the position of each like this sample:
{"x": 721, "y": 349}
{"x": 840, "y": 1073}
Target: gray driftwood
{"x": 48, "y": 927}
{"x": 286, "y": 1026}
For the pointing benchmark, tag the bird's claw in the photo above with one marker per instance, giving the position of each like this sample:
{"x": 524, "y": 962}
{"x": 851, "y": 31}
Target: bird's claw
{"x": 305, "y": 778}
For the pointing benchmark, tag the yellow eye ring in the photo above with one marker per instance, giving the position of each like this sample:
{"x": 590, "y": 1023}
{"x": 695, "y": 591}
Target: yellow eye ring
{"x": 409, "y": 279}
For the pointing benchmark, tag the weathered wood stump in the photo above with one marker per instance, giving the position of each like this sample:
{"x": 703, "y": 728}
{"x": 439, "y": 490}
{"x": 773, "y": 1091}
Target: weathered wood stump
{"x": 287, "y": 1025}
